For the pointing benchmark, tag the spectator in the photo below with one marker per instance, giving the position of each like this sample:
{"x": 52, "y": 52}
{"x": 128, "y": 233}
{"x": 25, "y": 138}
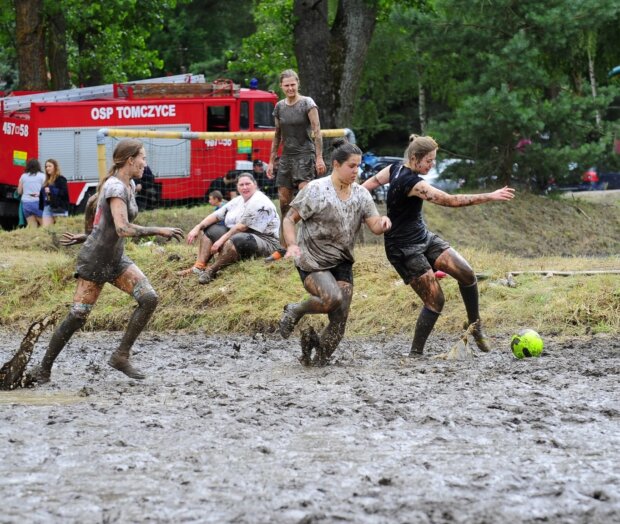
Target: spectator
{"x": 265, "y": 184}
{"x": 146, "y": 190}
{"x": 54, "y": 195}
{"x": 227, "y": 185}
{"x": 250, "y": 229}
{"x": 217, "y": 201}
{"x": 29, "y": 187}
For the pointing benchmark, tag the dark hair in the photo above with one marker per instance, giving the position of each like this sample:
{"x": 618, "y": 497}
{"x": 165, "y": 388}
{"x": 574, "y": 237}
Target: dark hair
{"x": 247, "y": 175}
{"x": 343, "y": 149}
{"x": 419, "y": 147}
{"x": 127, "y": 148}
{"x": 217, "y": 194}
{"x": 33, "y": 167}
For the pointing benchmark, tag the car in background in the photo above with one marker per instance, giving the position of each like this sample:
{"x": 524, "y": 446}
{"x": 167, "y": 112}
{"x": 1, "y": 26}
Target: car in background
{"x": 371, "y": 165}
{"x": 594, "y": 179}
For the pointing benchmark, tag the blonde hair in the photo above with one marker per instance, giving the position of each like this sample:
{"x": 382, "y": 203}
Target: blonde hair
{"x": 419, "y": 147}
{"x": 288, "y": 72}
{"x": 51, "y": 179}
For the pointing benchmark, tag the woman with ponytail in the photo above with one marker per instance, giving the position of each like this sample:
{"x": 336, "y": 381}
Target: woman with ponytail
{"x": 331, "y": 211}
{"x": 414, "y": 251}
{"x": 102, "y": 259}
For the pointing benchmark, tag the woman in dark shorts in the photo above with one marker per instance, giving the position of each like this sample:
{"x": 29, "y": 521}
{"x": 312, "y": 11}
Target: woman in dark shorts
{"x": 250, "y": 229}
{"x": 331, "y": 211}
{"x": 298, "y": 129}
{"x": 102, "y": 259}
{"x": 414, "y": 251}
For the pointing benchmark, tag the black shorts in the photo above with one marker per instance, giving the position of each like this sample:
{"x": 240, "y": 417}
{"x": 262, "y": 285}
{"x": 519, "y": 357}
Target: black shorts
{"x": 413, "y": 261}
{"x": 294, "y": 170}
{"x": 343, "y": 272}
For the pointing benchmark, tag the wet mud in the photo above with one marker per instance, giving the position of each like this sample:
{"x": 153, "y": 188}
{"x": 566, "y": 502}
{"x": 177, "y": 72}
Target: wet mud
{"x": 235, "y": 429}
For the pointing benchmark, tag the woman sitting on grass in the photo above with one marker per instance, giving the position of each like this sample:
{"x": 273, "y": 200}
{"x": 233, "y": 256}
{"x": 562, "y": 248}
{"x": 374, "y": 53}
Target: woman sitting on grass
{"x": 251, "y": 225}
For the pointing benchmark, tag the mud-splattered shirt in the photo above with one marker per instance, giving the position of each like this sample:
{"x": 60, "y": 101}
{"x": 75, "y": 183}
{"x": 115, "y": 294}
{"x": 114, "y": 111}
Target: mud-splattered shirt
{"x": 326, "y": 235}
{"x": 102, "y": 257}
{"x": 295, "y": 126}
{"x": 258, "y": 214}
{"x": 405, "y": 212}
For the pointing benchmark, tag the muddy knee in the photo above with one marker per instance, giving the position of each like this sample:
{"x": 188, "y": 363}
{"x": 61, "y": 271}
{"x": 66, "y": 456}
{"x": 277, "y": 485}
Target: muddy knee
{"x": 77, "y": 317}
{"x": 145, "y": 295}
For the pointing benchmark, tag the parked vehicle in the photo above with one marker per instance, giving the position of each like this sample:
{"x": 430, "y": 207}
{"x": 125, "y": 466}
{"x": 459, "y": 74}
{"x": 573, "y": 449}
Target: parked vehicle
{"x": 63, "y": 125}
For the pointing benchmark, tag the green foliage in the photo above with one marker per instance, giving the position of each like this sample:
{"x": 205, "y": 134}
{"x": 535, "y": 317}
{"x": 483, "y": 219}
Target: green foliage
{"x": 269, "y": 50}
{"x": 200, "y": 37}
{"x": 107, "y": 41}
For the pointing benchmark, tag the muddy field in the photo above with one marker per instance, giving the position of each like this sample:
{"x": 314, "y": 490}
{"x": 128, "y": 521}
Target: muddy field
{"x": 234, "y": 429}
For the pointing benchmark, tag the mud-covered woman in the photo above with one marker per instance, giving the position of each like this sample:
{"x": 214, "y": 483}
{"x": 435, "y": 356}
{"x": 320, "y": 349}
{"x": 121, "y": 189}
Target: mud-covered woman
{"x": 414, "y": 251}
{"x": 298, "y": 130}
{"x": 330, "y": 212}
{"x": 102, "y": 259}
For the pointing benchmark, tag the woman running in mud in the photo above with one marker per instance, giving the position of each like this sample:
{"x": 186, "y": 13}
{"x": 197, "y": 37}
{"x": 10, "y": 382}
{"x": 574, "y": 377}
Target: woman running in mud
{"x": 250, "y": 229}
{"x": 298, "y": 129}
{"x": 102, "y": 259}
{"x": 331, "y": 211}
{"x": 414, "y": 251}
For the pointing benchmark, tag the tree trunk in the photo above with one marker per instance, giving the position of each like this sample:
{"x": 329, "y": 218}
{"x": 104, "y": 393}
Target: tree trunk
{"x": 57, "y": 48}
{"x": 331, "y": 60}
{"x": 30, "y": 44}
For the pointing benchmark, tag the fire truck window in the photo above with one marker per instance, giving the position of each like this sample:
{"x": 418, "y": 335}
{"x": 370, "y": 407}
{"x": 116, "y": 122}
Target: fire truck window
{"x": 244, "y": 116}
{"x": 218, "y": 118}
{"x": 263, "y": 115}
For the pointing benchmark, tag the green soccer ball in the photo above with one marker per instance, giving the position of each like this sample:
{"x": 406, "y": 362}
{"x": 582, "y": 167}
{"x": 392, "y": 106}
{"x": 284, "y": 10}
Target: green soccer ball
{"x": 526, "y": 343}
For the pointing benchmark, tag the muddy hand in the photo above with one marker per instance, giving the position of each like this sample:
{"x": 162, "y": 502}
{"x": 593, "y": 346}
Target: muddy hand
{"x": 69, "y": 239}
{"x": 175, "y": 233}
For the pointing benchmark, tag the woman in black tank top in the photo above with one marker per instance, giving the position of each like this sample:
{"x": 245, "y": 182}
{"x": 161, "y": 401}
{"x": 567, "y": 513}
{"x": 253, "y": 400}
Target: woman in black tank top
{"x": 414, "y": 251}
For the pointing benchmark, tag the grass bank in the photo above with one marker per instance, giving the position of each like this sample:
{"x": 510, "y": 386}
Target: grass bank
{"x": 531, "y": 233}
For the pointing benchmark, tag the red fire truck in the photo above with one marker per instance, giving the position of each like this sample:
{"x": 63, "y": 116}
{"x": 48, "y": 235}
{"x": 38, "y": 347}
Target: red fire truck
{"x": 63, "y": 125}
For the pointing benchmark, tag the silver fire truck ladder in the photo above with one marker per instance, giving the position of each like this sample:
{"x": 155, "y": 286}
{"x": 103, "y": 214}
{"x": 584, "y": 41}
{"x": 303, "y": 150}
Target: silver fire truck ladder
{"x": 22, "y": 102}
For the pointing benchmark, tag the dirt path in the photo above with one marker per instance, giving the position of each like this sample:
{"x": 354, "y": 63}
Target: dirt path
{"x": 235, "y": 430}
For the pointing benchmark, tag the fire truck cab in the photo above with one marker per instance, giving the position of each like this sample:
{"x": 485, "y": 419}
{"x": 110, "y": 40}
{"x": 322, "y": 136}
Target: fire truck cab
{"x": 63, "y": 125}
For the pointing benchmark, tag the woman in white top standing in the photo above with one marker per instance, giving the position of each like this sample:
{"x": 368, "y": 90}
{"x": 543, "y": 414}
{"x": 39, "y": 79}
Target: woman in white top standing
{"x": 29, "y": 187}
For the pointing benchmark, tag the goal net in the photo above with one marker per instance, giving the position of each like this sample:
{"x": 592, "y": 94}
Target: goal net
{"x": 187, "y": 166}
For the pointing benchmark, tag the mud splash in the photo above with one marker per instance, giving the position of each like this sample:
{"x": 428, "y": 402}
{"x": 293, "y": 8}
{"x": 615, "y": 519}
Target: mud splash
{"x": 234, "y": 429}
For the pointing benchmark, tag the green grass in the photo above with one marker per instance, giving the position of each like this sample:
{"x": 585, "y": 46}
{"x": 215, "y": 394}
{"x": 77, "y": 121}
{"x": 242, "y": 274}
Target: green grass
{"x": 531, "y": 233}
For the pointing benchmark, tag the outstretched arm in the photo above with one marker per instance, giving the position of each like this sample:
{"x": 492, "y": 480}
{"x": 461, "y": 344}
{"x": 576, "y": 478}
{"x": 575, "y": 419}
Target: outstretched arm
{"x": 126, "y": 229}
{"x": 427, "y": 192}
{"x": 379, "y": 179}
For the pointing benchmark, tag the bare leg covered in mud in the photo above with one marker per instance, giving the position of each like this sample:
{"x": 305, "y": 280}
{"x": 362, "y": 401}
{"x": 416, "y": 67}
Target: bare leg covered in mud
{"x": 133, "y": 282}
{"x": 136, "y": 284}
{"x": 452, "y": 263}
{"x": 85, "y": 297}
{"x": 329, "y": 297}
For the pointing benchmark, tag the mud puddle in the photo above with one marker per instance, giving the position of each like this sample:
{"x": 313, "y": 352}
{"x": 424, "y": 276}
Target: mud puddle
{"x": 234, "y": 429}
